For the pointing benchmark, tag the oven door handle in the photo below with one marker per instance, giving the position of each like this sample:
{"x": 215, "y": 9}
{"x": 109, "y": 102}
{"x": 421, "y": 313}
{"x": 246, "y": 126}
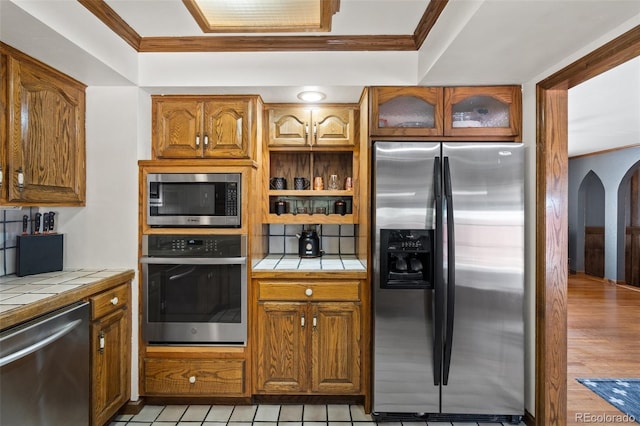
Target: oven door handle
{"x": 195, "y": 260}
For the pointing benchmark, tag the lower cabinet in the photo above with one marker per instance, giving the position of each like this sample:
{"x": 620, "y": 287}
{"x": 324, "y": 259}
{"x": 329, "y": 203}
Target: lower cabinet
{"x": 308, "y": 338}
{"x": 110, "y": 353}
{"x": 194, "y": 372}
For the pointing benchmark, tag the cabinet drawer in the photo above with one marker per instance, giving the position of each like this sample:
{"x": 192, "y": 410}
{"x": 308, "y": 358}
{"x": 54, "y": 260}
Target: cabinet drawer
{"x": 193, "y": 377}
{"x": 109, "y": 301}
{"x": 313, "y": 291}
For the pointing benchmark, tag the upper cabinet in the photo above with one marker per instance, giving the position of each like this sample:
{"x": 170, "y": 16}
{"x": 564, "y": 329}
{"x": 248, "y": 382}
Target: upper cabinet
{"x": 43, "y": 119}
{"x": 483, "y": 111}
{"x": 204, "y": 126}
{"x": 406, "y": 111}
{"x": 305, "y": 126}
{"x": 311, "y": 164}
{"x": 474, "y": 113}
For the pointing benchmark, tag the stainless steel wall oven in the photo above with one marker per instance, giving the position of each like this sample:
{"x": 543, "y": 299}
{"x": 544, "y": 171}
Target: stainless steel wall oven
{"x": 194, "y": 289}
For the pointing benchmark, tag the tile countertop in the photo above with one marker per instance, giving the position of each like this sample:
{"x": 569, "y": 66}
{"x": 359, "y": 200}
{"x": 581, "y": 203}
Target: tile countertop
{"x": 324, "y": 263}
{"x": 52, "y": 290}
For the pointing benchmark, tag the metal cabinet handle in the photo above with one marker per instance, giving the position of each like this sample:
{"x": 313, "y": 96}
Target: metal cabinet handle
{"x": 315, "y": 132}
{"x": 315, "y": 321}
{"x": 308, "y": 292}
{"x": 306, "y": 130}
{"x": 20, "y": 179}
{"x": 302, "y": 321}
{"x": 206, "y": 140}
{"x": 198, "y": 140}
{"x": 192, "y": 379}
{"x": 114, "y": 301}
{"x": 101, "y": 342}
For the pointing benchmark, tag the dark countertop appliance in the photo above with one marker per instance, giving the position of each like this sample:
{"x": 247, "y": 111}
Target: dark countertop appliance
{"x": 309, "y": 244}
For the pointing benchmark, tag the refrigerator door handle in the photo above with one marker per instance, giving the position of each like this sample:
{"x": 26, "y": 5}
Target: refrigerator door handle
{"x": 439, "y": 271}
{"x": 451, "y": 272}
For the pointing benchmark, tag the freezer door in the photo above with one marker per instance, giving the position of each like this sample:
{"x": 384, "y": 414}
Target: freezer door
{"x": 403, "y": 361}
{"x": 403, "y": 347}
{"x": 486, "y": 371}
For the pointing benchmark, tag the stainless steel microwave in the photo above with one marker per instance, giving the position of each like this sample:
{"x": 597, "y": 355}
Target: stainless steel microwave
{"x": 193, "y": 200}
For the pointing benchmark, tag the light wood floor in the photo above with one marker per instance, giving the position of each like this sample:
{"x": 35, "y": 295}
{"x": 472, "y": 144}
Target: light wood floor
{"x": 603, "y": 341}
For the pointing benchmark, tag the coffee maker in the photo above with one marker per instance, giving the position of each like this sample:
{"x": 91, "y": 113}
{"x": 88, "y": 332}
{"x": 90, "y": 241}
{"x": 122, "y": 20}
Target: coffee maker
{"x": 308, "y": 244}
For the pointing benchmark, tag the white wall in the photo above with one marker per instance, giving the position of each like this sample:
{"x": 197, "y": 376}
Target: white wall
{"x": 104, "y": 234}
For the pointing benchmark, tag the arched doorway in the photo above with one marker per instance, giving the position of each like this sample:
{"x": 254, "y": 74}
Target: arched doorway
{"x": 629, "y": 226}
{"x": 591, "y": 202}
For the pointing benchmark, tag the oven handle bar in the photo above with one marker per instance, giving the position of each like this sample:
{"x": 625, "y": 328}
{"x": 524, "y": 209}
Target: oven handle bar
{"x": 194, "y": 260}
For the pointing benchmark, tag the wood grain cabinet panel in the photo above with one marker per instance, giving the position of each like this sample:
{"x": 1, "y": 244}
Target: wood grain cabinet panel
{"x": 194, "y": 377}
{"x": 307, "y": 346}
{"x": 204, "y": 126}
{"x": 323, "y": 126}
{"x": 281, "y": 361}
{"x": 406, "y": 111}
{"x": 335, "y": 352}
{"x": 110, "y": 354}
{"x": 456, "y": 113}
{"x": 483, "y": 111}
{"x": 43, "y": 162}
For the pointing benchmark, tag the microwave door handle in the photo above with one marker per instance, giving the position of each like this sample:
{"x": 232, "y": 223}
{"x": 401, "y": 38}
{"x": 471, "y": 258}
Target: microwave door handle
{"x": 194, "y": 260}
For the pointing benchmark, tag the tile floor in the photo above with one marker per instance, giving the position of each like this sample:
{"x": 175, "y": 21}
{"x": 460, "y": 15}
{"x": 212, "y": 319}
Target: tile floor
{"x": 259, "y": 415}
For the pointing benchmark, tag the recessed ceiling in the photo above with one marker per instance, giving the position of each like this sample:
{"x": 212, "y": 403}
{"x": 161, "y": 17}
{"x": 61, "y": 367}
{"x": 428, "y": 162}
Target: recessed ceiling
{"x": 262, "y": 15}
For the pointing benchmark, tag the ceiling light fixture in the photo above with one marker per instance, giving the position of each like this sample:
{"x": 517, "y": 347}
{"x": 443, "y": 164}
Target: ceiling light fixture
{"x": 311, "y": 96}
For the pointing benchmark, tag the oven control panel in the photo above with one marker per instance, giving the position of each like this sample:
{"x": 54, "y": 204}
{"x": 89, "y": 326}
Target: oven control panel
{"x": 194, "y": 245}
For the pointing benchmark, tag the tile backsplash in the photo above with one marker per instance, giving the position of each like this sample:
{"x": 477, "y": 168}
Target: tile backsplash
{"x": 334, "y": 239}
{"x": 11, "y": 223}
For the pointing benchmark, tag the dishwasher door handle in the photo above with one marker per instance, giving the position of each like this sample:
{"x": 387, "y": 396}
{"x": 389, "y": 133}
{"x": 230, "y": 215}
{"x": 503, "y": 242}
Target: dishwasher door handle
{"x": 39, "y": 345}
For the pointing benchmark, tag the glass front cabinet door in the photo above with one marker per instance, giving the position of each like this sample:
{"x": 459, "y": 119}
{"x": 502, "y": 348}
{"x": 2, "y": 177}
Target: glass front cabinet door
{"x": 483, "y": 111}
{"x": 406, "y": 111}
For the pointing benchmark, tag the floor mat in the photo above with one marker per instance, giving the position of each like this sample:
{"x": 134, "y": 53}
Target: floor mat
{"x": 624, "y": 394}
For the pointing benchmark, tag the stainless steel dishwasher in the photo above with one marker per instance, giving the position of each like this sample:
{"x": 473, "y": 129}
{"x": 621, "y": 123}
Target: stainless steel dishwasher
{"x": 44, "y": 370}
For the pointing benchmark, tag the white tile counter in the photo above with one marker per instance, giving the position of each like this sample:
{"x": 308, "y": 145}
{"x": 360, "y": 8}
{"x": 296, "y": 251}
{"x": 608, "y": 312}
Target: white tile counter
{"x": 294, "y": 263}
{"x": 33, "y": 295}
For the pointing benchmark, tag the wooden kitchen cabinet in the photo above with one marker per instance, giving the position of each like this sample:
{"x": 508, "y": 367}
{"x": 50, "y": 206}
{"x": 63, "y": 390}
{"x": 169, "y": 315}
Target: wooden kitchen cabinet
{"x": 312, "y": 142}
{"x": 483, "y": 111}
{"x": 406, "y": 111}
{"x": 454, "y": 113}
{"x": 204, "y": 126}
{"x": 312, "y": 126}
{"x": 191, "y": 371}
{"x": 308, "y": 337}
{"x": 110, "y": 353}
{"x": 43, "y": 124}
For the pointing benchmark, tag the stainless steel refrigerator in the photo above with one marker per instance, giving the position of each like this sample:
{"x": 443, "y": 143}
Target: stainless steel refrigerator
{"x": 448, "y": 288}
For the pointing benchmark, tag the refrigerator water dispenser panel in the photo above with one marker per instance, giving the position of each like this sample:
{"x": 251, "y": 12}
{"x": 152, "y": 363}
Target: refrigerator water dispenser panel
{"x": 406, "y": 258}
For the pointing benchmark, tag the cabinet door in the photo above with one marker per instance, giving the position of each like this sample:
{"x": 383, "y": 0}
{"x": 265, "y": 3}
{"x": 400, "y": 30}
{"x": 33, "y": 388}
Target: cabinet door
{"x": 483, "y": 111}
{"x": 46, "y": 149}
{"x": 177, "y": 129}
{"x": 333, "y": 126}
{"x": 289, "y": 126}
{"x": 335, "y": 358}
{"x": 110, "y": 365}
{"x": 227, "y": 129}
{"x": 281, "y": 347}
{"x": 406, "y": 111}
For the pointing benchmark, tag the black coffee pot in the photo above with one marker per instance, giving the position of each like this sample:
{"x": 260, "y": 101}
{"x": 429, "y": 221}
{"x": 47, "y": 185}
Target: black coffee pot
{"x": 308, "y": 244}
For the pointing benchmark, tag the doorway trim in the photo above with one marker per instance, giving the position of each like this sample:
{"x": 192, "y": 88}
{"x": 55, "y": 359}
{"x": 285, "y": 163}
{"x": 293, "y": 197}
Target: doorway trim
{"x": 552, "y": 220}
